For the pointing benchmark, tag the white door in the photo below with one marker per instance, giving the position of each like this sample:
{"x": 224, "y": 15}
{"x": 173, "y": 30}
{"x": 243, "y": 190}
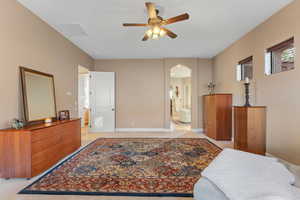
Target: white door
{"x": 83, "y": 96}
{"x": 102, "y": 101}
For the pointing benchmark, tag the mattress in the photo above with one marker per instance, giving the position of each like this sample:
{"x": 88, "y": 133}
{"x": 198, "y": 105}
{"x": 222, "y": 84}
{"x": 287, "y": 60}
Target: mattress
{"x": 205, "y": 189}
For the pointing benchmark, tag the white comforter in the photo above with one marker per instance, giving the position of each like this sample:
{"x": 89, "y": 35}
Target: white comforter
{"x": 245, "y": 176}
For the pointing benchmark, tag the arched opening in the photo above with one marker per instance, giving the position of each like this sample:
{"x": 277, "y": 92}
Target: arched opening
{"x": 181, "y": 97}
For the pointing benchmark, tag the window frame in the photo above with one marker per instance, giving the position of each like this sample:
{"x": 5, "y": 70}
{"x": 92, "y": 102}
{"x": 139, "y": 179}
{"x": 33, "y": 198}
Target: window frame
{"x": 270, "y": 55}
{"x": 241, "y": 69}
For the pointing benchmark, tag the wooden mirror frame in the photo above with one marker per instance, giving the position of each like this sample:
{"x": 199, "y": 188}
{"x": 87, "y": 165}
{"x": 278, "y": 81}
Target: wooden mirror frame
{"x": 24, "y": 94}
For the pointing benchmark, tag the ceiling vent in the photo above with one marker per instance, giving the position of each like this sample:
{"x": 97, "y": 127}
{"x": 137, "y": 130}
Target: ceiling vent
{"x": 71, "y": 30}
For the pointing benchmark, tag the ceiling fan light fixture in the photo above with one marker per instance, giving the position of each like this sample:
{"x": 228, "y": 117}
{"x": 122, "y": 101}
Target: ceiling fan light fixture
{"x": 156, "y": 30}
{"x": 162, "y": 33}
{"x": 157, "y": 23}
{"x": 149, "y": 33}
{"x": 155, "y": 36}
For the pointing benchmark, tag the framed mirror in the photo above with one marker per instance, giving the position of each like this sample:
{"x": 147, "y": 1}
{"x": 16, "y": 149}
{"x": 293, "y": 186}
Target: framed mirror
{"x": 38, "y": 95}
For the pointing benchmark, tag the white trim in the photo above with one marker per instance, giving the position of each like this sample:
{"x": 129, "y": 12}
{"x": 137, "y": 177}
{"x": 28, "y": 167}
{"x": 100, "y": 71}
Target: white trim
{"x": 198, "y": 130}
{"x": 143, "y": 130}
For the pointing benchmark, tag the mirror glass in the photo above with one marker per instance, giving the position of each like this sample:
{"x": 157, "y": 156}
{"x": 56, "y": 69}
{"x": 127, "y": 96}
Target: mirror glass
{"x": 39, "y": 95}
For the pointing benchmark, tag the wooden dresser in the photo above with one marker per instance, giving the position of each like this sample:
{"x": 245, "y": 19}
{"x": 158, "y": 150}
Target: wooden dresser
{"x": 217, "y": 116}
{"x": 250, "y": 129}
{"x": 32, "y": 150}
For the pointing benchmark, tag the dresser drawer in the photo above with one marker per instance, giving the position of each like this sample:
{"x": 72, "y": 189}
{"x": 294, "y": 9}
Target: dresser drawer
{"x": 45, "y": 143}
{"x": 42, "y": 134}
{"x": 46, "y": 158}
{"x": 42, "y": 163}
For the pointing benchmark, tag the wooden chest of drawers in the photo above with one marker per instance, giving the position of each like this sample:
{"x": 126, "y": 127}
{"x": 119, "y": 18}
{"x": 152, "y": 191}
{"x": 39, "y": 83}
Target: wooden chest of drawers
{"x": 30, "y": 151}
{"x": 217, "y": 116}
{"x": 250, "y": 129}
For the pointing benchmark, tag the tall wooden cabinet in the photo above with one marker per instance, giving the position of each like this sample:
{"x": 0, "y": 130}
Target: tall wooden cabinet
{"x": 32, "y": 150}
{"x": 250, "y": 129}
{"x": 217, "y": 116}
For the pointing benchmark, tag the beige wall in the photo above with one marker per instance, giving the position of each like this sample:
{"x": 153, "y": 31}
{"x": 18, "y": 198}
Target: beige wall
{"x": 142, "y": 85}
{"x": 27, "y": 41}
{"x": 205, "y": 75}
{"x": 279, "y": 92}
{"x": 139, "y": 91}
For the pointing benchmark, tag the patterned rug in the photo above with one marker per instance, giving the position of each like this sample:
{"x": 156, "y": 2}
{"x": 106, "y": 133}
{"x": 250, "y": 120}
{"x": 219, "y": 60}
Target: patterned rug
{"x": 130, "y": 167}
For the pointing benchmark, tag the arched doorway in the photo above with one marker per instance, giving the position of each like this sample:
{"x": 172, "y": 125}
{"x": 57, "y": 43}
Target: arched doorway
{"x": 181, "y": 97}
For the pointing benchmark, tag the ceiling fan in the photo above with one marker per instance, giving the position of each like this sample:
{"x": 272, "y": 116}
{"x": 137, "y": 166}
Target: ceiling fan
{"x": 156, "y": 23}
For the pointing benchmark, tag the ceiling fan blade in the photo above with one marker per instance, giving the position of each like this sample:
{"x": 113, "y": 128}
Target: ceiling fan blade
{"x": 176, "y": 19}
{"x": 145, "y": 38}
{"x": 151, "y": 10}
{"x": 170, "y": 33}
{"x": 131, "y": 24}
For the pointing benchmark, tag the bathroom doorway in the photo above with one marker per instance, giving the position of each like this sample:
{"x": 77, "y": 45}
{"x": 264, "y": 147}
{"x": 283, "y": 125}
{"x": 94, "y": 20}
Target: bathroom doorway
{"x": 181, "y": 97}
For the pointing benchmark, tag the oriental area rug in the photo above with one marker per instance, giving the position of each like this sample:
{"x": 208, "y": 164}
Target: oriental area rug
{"x": 130, "y": 167}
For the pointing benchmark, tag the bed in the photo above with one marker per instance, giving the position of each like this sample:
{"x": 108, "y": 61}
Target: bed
{"x": 217, "y": 185}
{"x": 205, "y": 189}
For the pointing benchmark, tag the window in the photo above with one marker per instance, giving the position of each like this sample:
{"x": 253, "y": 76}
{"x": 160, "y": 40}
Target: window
{"x": 245, "y": 69}
{"x": 280, "y": 57}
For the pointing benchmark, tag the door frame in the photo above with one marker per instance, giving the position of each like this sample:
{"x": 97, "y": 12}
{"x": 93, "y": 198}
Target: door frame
{"x": 80, "y": 70}
{"x": 193, "y": 65}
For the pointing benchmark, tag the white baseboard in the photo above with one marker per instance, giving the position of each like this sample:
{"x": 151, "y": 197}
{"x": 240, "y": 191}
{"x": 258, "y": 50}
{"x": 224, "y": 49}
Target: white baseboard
{"x": 198, "y": 130}
{"x": 143, "y": 130}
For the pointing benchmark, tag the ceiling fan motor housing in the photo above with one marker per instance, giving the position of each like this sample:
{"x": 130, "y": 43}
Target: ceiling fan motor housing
{"x": 155, "y": 21}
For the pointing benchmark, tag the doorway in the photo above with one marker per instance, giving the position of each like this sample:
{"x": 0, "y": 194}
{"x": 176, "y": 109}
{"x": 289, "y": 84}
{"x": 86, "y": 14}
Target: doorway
{"x": 83, "y": 96}
{"x": 181, "y": 97}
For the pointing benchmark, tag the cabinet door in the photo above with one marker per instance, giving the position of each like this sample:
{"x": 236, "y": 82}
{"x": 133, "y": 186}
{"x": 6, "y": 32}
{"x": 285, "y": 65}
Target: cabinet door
{"x": 204, "y": 115}
{"x": 210, "y": 116}
{"x": 240, "y": 129}
{"x": 15, "y": 157}
{"x": 224, "y": 117}
{"x": 256, "y": 139}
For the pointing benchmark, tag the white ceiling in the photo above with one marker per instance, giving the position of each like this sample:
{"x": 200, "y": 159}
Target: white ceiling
{"x": 213, "y": 25}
